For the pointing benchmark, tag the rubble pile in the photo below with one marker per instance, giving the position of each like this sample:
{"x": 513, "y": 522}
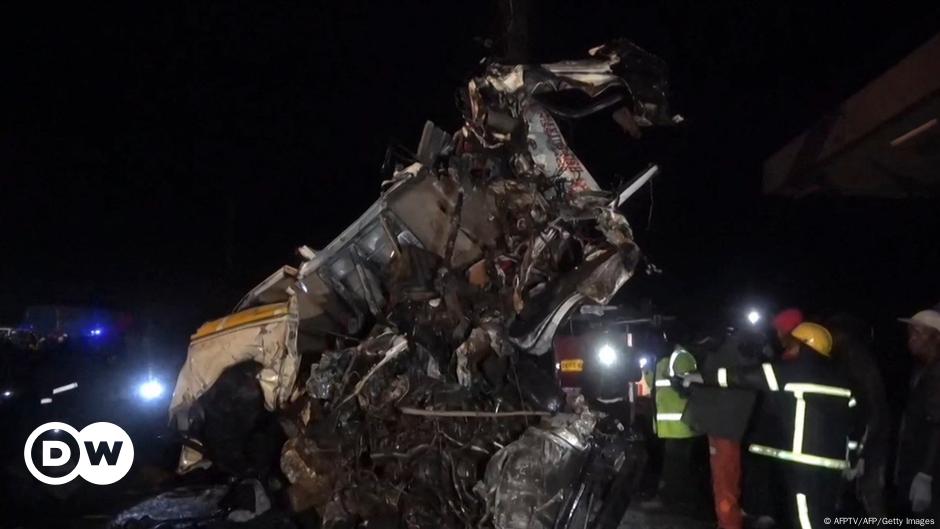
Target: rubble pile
{"x": 405, "y": 362}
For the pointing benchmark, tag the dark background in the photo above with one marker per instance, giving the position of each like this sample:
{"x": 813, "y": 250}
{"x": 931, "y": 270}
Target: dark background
{"x": 162, "y": 158}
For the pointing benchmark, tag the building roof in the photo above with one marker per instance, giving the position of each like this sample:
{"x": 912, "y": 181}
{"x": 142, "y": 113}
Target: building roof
{"x": 883, "y": 141}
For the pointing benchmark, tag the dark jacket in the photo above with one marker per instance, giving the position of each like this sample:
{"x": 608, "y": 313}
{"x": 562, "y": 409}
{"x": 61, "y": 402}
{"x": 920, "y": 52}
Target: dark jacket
{"x": 807, "y": 416}
{"x": 858, "y": 363}
{"x": 855, "y": 357}
{"x": 918, "y": 441}
{"x": 725, "y": 412}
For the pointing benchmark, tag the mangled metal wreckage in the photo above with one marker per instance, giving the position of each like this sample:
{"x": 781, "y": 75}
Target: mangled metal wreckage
{"x": 402, "y": 360}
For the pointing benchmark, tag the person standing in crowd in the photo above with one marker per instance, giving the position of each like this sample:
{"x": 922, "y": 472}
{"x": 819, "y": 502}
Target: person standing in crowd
{"x": 812, "y": 406}
{"x": 919, "y": 440}
{"x": 784, "y": 323}
{"x": 675, "y": 489}
{"x": 852, "y": 353}
{"x": 725, "y": 413}
{"x": 759, "y": 471}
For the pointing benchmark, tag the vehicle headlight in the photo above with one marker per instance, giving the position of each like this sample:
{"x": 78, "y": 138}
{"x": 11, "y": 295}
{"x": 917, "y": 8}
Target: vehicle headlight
{"x": 150, "y": 390}
{"x": 753, "y": 317}
{"x": 607, "y": 355}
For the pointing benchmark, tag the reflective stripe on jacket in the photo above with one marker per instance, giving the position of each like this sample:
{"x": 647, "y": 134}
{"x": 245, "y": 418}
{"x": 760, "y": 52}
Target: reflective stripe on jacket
{"x": 669, "y": 403}
{"x": 812, "y": 404}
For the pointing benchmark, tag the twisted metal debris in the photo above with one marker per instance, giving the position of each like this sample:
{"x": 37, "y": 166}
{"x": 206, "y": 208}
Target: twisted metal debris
{"x": 403, "y": 359}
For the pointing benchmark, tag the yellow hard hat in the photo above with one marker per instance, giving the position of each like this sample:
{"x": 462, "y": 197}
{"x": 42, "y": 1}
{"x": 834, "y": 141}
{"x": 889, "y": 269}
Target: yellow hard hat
{"x": 815, "y": 336}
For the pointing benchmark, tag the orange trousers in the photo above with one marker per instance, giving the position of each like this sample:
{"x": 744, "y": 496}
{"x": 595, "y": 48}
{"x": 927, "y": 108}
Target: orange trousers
{"x": 725, "y": 459}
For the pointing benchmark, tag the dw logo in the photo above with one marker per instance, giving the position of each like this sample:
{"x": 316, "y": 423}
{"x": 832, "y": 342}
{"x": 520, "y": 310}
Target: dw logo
{"x": 102, "y": 453}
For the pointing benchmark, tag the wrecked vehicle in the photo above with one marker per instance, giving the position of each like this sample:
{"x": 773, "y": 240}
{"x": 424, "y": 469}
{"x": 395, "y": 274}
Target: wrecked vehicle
{"x": 403, "y": 361}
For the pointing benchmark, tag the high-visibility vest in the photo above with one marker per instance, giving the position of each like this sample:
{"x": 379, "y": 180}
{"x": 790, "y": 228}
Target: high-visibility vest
{"x": 669, "y": 403}
{"x": 812, "y": 407}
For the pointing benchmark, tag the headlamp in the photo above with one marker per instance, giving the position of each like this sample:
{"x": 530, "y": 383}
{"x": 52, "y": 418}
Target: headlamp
{"x": 607, "y": 355}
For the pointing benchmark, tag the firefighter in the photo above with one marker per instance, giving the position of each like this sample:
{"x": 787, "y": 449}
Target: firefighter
{"x": 759, "y": 472}
{"x": 812, "y": 406}
{"x": 724, "y": 414}
{"x": 675, "y": 487}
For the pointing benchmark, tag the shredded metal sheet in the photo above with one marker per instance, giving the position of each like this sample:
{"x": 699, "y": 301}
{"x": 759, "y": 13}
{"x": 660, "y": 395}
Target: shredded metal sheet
{"x": 419, "y": 399}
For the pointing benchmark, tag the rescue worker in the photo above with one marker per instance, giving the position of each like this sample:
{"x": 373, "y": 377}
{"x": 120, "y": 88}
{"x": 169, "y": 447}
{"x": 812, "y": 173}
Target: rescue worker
{"x": 724, "y": 415}
{"x": 784, "y": 323}
{"x": 675, "y": 488}
{"x": 811, "y": 404}
{"x": 918, "y": 459}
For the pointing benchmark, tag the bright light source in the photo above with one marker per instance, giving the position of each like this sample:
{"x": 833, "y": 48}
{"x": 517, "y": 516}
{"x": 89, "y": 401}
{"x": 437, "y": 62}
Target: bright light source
{"x": 7, "y": 394}
{"x": 95, "y": 332}
{"x": 753, "y": 316}
{"x": 151, "y": 389}
{"x": 643, "y": 361}
{"x": 607, "y": 355}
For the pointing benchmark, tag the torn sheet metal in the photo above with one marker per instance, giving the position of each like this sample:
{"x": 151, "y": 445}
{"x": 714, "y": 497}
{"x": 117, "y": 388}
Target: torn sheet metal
{"x": 417, "y": 324}
{"x": 551, "y": 153}
{"x": 266, "y": 335}
{"x": 526, "y": 482}
{"x": 218, "y": 506}
{"x": 183, "y": 505}
{"x": 274, "y": 289}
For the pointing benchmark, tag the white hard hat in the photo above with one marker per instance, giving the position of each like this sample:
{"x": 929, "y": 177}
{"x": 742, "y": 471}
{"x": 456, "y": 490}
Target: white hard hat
{"x": 924, "y": 318}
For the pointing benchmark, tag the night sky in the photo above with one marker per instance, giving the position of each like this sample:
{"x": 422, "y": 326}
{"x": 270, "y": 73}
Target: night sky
{"x": 162, "y": 159}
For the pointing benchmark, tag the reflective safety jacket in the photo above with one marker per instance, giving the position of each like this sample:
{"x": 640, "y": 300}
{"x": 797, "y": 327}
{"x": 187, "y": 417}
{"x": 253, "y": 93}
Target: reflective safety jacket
{"x": 670, "y": 403}
{"x": 808, "y": 410}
